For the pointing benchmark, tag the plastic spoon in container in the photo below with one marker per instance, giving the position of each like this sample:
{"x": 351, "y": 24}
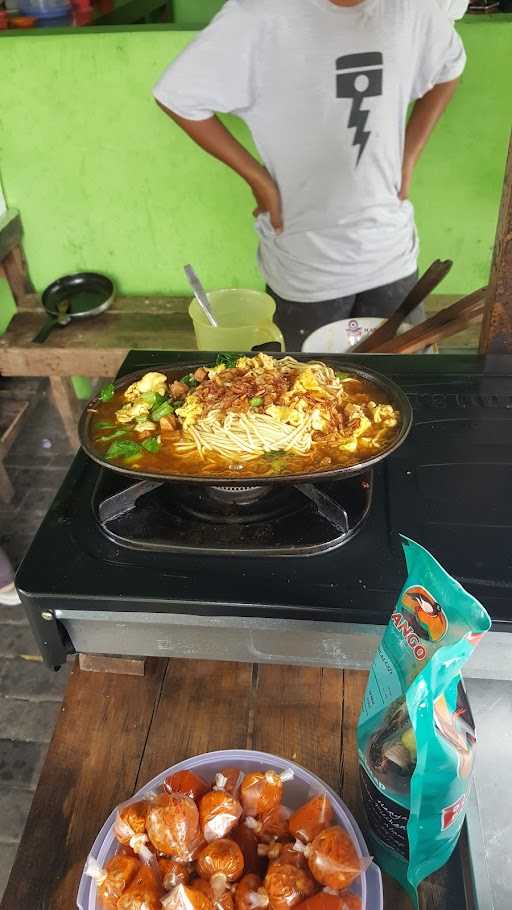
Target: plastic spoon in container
{"x": 200, "y": 295}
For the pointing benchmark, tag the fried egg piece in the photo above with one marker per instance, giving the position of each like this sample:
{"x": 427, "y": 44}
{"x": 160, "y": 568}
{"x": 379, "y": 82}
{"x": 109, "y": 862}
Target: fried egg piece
{"x": 133, "y": 411}
{"x": 150, "y": 382}
{"x": 307, "y": 382}
{"x": 386, "y": 414}
{"x": 190, "y": 411}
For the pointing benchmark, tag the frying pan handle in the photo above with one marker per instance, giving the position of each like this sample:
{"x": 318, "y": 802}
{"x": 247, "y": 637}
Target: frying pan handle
{"x": 42, "y": 335}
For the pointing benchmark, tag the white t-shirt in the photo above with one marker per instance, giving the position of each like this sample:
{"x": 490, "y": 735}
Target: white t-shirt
{"x": 455, "y": 9}
{"x": 324, "y": 90}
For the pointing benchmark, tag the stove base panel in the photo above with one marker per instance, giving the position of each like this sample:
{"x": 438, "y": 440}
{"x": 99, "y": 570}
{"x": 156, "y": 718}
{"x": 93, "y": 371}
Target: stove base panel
{"x": 323, "y": 644}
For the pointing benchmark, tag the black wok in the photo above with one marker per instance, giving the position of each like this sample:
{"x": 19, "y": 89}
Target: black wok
{"x": 392, "y": 391}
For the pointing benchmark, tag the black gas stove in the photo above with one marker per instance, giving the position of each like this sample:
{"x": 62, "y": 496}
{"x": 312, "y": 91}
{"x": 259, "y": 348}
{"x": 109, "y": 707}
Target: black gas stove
{"x": 305, "y": 574}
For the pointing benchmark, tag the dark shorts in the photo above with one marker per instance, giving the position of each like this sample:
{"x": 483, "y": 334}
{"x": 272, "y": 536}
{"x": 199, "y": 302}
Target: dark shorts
{"x": 298, "y": 320}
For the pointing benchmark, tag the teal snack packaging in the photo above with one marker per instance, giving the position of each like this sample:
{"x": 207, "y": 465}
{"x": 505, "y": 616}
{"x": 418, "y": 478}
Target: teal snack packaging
{"x": 416, "y": 734}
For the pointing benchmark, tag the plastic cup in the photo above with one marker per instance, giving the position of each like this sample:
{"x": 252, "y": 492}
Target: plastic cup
{"x": 245, "y": 320}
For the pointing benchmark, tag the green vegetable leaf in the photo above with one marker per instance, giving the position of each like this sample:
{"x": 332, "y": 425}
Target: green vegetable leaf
{"x": 105, "y": 425}
{"x": 112, "y": 436}
{"x": 151, "y": 444}
{"x": 107, "y": 392}
{"x": 123, "y": 448}
{"x": 229, "y": 360}
{"x": 163, "y": 410}
{"x": 278, "y": 453}
{"x": 149, "y": 398}
{"x": 256, "y": 402}
{"x": 190, "y": 381}
{"x": 342, "y": 375}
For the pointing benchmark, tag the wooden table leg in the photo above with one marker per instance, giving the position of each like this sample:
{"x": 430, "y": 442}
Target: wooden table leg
{"x": 67, "y": 406}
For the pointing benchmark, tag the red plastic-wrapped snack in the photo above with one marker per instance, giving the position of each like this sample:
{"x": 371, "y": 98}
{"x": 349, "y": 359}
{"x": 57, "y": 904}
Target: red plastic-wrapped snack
{"x": 220, "y": 862}
{"x": 219, "y": 813}
{"x": 324, "y": 900}
{"x": 144, "y": 893}
{"x": 248, "y": 843}
{"x": 308, "y": 820}
{"x": 286, "y": 886}
{"x": 229, "y": 779}
{"x": 174, "y": 873}
{"x": 184, "y": 897}
{"x": 245, "y": 890}
{"x": 114, "y": 879}
{"x": 282, "y": 853}
{"x": 187, "y": 783}
{"x": 272, "y": 825}
{"x": 172, "y": 824}
{"x": 220, "y": 901}
{"x": 332, "y": 859}
{"x": 261, "y": 791}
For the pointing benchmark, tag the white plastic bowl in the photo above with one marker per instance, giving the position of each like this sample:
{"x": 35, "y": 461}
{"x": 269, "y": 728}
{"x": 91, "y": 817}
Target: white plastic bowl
{"x": 339, "y": 337}
{"x": 297, "y": 791}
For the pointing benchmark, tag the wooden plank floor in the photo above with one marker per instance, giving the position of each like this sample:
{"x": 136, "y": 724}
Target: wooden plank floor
{"x": 117, "y": 732}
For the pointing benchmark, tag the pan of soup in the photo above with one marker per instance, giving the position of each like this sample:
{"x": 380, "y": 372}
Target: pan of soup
{"x": 259, "y": 418}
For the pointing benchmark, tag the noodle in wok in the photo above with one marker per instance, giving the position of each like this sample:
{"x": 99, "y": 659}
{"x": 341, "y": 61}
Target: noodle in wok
{"x": 254, "y": 415}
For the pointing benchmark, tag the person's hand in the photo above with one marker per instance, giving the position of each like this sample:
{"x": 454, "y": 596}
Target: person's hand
{"x": 407, "y": 172}
{"x": 268, "y": 199}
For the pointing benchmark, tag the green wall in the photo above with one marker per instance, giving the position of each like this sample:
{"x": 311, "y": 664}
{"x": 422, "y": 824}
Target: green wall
{"x": 104, "y": 181}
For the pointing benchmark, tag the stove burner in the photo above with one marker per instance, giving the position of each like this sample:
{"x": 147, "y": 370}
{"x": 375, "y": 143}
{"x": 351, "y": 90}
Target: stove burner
{"x": 242, "y": 495}
{"x": 288, "y": 520}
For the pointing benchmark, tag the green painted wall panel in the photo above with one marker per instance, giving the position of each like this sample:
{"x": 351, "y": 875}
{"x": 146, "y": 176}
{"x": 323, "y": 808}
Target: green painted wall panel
{"x": 105, "y": 181}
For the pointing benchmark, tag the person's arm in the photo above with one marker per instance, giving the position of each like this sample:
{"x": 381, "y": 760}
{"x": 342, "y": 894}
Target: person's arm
{"x": 426, "y": 113}
{"x": 215, "y": 139}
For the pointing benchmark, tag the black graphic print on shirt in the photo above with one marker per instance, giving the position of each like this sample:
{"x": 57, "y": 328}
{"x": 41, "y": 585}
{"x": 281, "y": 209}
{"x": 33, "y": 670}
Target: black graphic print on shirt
{"x": 359, "y": 76}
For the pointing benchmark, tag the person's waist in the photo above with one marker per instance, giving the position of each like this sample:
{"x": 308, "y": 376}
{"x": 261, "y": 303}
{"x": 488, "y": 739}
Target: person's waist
{"x": 367, "y": 220}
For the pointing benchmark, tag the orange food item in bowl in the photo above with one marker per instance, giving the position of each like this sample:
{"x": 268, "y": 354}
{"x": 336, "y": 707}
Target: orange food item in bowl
{"x": 245, "y": 890}
{"x": 174, "y": 873}
{"x": 187, "y": 783}
{"x": 229, "y": 779}
{"x": 144, "y": 893}
{"x": 247, "y": 840}
{"x": 131, "y": 821}
{"x": 283, "y": 853}
{"x": 272, "y": 825}
{"x": 326, "y": 901}
{"x": 114, "y": 879}
{"x": 222, "y": 859}
{"x": 286, "y": 886}
{"x": 219, "y": 813}
{"x": 172, "y": 824}
{"x": 332, "y": 859}
{"x": 261, "y": 791}
{"x": 222, "y": 901}
{"x": 187, "y": 897}
{"x": 308, "y": 820}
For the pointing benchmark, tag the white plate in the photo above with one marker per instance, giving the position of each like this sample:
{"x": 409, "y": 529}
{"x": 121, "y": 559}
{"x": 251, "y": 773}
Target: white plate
{"x": 339, "y": 337}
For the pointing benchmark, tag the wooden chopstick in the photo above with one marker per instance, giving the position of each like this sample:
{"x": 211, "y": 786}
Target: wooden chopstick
{"x": 458, "y": 314}
{"x": 426, "y": 284}
{"x": 434, "y": 334}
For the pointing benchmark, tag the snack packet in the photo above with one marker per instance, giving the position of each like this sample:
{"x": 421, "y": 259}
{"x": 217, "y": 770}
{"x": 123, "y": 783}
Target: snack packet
{"x": 416, "y": 733}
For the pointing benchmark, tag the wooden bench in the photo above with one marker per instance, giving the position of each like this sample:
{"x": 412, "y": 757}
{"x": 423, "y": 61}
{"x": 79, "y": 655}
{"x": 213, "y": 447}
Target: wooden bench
{"x": 116, "y": 732}
{"x": 93, "y": 347}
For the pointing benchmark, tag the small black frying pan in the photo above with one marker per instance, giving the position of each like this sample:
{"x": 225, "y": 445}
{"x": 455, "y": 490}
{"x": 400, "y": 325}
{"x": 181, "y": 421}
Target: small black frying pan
{"x": 75, "y": 297}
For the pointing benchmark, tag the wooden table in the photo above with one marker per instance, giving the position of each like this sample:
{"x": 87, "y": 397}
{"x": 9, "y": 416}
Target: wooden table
{"x": 117, "y": 732}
